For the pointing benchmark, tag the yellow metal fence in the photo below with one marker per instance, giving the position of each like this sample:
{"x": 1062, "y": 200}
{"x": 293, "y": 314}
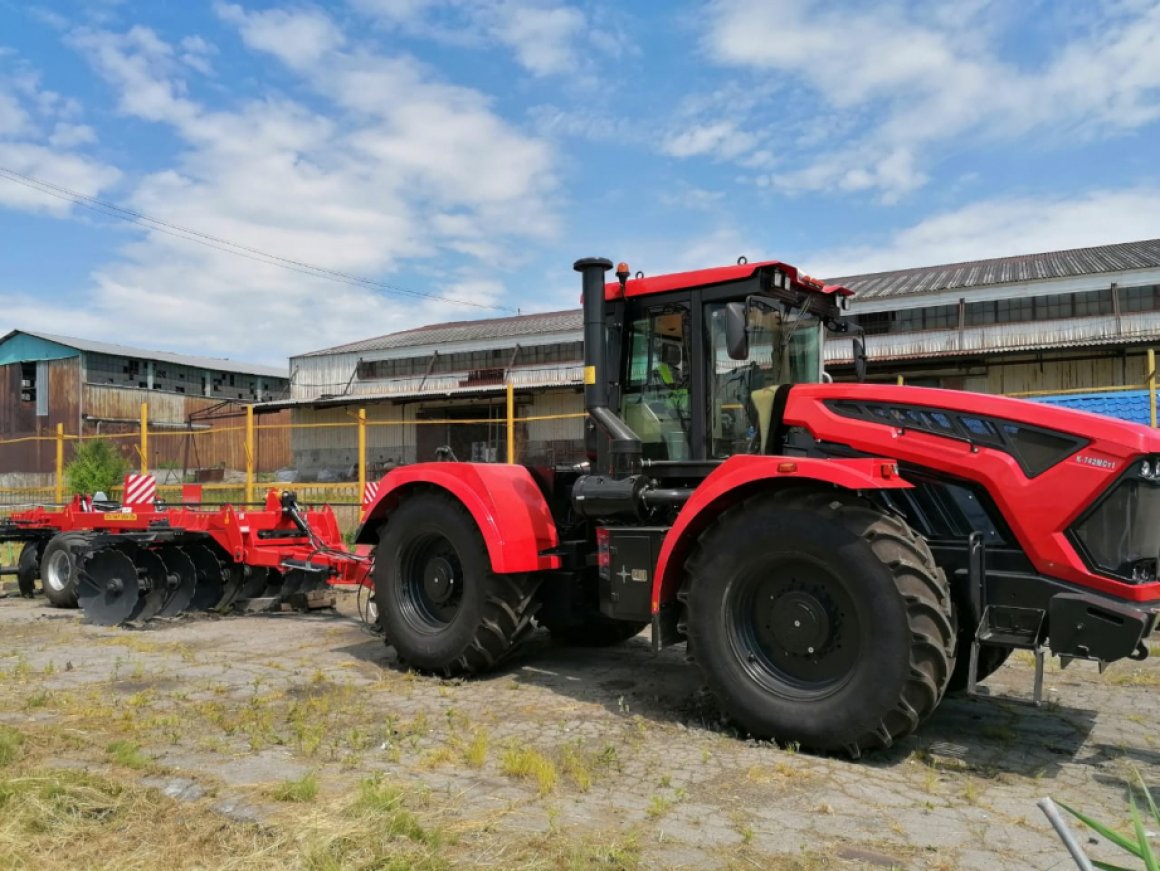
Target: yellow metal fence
{"x": 172, "y": 455}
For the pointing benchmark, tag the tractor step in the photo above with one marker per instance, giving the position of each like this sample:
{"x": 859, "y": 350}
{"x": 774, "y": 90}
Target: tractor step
{"x": 1013, "y": 628}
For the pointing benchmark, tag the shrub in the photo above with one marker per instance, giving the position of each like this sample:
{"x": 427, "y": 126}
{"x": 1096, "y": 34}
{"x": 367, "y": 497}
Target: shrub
{"x": 96, "y": 465}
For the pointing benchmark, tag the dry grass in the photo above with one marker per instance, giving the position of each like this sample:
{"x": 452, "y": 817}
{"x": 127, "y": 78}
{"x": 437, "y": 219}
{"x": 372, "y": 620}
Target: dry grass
{"x": 530, "y": 764}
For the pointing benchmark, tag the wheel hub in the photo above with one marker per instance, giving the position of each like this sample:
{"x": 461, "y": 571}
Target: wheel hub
{"x": 439, "y": 581}
{"x": 798, "y": 622}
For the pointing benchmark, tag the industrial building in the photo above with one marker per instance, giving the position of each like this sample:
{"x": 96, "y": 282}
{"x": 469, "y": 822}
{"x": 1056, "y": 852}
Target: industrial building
{"x": 1078, "y": 320}
{"x": 95, "y": 388}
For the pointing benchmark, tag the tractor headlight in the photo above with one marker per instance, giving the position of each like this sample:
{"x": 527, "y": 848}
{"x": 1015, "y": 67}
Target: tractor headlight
{"x": 1149, "y": 468}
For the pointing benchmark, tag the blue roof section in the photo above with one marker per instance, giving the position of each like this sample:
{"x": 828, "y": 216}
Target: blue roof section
{"x": 1131, "y": 405}
{"x": 19, "y": 347}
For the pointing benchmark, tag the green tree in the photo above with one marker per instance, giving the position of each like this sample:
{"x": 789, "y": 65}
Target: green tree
{"x": 96, "y": 465}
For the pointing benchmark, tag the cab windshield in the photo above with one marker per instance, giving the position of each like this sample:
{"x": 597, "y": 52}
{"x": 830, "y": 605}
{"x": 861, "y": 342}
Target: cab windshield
{"x": 784, "y": 348}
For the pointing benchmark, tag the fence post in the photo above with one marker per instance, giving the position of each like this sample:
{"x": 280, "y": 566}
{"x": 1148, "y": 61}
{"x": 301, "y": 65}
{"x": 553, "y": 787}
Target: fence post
{"x": 59, "y": 463}
{"x": 249, "y": 454}
{"x": 511, "y": 423}
{"x": 144, "y": 449}
{"x": 1152, "y": 387}
{"x": 362, "y": 454}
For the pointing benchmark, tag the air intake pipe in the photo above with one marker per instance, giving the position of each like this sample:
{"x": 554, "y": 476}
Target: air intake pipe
{"x": 619, "y": 450}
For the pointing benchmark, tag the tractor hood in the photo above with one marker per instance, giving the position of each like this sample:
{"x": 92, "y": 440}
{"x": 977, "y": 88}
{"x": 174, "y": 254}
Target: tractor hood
{"x": 1037, "y": 435}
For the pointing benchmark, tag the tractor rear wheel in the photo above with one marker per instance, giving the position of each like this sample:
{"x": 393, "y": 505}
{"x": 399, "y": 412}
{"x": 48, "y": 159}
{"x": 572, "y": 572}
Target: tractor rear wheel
{"x": 816, "y": 617}
{"x": 441, "y": 606}
{"x": 28, "y": 568}
{"x": 58, "y": 571}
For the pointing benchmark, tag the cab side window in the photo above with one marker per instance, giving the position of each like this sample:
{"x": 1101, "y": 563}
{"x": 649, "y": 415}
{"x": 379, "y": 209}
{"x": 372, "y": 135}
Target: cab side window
{"x": 655, "y": 395}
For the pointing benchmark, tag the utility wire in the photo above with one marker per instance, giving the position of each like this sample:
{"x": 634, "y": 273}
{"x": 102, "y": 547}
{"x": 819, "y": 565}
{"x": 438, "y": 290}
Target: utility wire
{"x": 220, "y": 244}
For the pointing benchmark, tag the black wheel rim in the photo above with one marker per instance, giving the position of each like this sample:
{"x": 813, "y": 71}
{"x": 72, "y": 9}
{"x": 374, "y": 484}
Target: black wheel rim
{"x": 430, "y": 583}
{"x": 793, "y": 627}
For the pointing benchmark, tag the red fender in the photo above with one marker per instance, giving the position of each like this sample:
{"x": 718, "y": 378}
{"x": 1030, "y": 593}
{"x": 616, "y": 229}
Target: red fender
{"x": 508, "y": 507}
{"x": 739, "y": 472}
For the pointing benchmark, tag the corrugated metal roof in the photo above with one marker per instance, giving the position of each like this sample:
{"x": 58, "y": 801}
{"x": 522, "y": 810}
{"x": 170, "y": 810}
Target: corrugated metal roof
{"x": 1002, "y": 338}
{"x": 454, "y": 383}
{"x": 880, "y": 285}
{"x": 540, "y": 324}
{"x": 1129, "y": 405}
{"x": 1005, "y": 270}
{"x": 217, "y": 364}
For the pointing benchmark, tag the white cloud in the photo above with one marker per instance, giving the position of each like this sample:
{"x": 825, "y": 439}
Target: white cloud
{"x": 546, "y": 37}
{"x": 1002, "y": 227}
{"x": 387, "y": 165}
{"x": 918, "y": 76}
{"x": 720, "y": 139}
{"x": 40, "y": 138}
{"x": 298, "y": 38}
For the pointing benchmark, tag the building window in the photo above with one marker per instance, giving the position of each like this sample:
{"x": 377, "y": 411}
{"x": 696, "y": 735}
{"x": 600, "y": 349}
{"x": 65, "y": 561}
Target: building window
{"x": 1140, "y": 299}
{"x": 28, "y": 382}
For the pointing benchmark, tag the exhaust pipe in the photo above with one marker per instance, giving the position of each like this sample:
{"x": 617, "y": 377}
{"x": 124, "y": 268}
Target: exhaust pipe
{"x": 623, "y": 445}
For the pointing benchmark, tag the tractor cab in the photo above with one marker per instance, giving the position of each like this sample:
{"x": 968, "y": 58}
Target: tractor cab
{"x": 691, "y": 362}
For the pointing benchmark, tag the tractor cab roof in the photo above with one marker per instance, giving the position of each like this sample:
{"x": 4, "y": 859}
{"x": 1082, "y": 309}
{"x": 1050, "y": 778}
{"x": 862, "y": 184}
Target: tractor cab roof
{"x": 643, "y": 285}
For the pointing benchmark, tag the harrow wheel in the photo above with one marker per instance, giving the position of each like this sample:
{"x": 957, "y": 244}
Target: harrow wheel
{"x": 210, "y": 576}
{"x": 818, "y": 618}
{"x": 182, "y": 581}
{"x": 28, "y": 568}
{"x": 58, "y": 571}
{"x": 107, "y": 587}
{"x": 442, "y": 607}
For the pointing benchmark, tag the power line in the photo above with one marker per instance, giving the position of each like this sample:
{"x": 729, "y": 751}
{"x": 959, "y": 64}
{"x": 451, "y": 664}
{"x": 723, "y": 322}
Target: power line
{"x": 220, "y": 244}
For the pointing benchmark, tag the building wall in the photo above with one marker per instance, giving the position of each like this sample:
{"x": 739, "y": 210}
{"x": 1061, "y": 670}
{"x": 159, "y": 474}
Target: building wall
{"x": 24, "y": 458}
{"x": 324, "y": 441}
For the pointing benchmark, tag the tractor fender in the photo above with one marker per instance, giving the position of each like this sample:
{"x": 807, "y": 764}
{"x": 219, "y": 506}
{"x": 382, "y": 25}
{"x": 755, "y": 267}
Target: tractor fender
{"x": 508, "y": 507}
{"x": 737, "y": 478}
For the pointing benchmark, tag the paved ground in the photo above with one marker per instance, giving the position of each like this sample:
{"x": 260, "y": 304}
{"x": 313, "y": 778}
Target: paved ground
{"x": 615, "y": 746}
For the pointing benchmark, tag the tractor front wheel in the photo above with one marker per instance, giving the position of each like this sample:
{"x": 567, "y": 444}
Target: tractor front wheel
{"x": 818, "y": 618}
{"x": 441, "y": 606}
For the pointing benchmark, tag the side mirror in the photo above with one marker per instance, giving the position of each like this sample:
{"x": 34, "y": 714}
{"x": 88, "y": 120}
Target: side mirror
{"x": 736, "y": 336}
{"x": 860, "y": 358}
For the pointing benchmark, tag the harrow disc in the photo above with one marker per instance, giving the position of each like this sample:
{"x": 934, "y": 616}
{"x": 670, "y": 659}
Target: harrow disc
{"x": 254, "y": 581}
{"x": 107, "y": 588}
{"x": 210, "y": 576}
{"x": 295, "y": 581}
{"x": 182, "y": 576}
{"x": 155, "y": 584}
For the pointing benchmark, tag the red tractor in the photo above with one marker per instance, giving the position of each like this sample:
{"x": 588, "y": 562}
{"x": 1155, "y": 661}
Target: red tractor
{"x": 835, "y": 556}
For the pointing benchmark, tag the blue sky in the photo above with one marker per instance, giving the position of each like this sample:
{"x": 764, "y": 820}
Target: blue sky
{"x": 472, "y": 149}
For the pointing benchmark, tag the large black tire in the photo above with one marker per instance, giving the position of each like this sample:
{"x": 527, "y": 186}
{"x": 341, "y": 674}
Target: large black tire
{"x": 442, "y": 607}
{"x": 817, "y": 617}
{"x": 58, "y": 571}
{"x": 28, "y": 568}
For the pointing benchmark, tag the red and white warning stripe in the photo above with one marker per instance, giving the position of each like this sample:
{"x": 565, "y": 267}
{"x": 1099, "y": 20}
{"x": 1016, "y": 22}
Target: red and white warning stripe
{"x": 139, "y": 490}
{"x": 370, "y": 493}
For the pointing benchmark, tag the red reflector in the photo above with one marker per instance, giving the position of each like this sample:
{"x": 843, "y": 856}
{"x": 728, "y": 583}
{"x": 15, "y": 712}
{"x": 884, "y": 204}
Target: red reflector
{"x": 786, "y": 468}
{"x": 889, "y": 470}
{"x": 603, "y": 552}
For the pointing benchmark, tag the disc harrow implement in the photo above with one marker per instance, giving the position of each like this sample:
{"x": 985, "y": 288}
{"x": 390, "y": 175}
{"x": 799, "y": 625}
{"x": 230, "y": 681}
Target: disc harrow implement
{"x": 129, "y": 563}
